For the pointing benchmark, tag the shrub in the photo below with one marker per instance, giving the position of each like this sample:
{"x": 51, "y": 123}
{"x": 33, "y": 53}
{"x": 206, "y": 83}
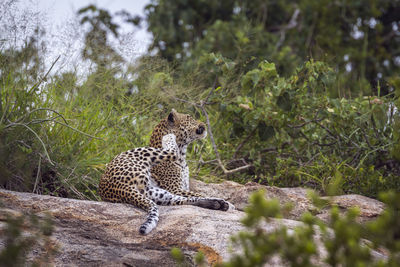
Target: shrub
{"x": 295, "y": 132}
{"x": 343, "y": 238}
{"x": 23, "y": 233}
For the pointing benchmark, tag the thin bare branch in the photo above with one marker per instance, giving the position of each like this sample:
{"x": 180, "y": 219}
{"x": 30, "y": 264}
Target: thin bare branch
{"x": 304, "y": 123}
{"x": 185, "y": 101}
{"x": 320, "y": 144}
{"x": 239, "y": 147}
{"x": 218, "y": 158}
{"x": 212, "y": 90}
{"x": 37, "y": 136}
{"x": 79, "y": 131}
{"x": 292, "y": 23}
{"x": 44, "y": 77}
{"x": 39, "y": 109}
{"x": 213, "y": 161}
{"x": 326, "y": 129}
{"x": 37, "y": 175}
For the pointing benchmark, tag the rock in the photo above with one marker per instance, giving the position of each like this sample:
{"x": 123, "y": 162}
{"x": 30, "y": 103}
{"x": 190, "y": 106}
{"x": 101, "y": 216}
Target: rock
{"x": 99, "y": 233}
{"x": 239, "y": 194}
{"x": 369, "y": 208}
{"x": 90, "y": 233}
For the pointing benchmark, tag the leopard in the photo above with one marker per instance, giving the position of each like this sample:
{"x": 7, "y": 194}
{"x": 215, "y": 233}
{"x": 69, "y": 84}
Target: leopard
{"x": 128, "y": 179}
{"x": 174, "y": 176}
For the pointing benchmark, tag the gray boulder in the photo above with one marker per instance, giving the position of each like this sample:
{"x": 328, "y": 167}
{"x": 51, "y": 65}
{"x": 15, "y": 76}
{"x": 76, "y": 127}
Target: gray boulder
{"x": 90, "y": 233}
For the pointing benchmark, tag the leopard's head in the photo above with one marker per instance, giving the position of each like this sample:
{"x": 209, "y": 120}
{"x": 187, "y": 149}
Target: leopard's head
{"x": 185, "y": 128}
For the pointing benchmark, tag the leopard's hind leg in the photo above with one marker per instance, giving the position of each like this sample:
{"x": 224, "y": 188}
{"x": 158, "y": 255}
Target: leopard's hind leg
{"x": 134, "y": 197}
{"x": 163, "y": 197}
{"x": 184, "y": 193}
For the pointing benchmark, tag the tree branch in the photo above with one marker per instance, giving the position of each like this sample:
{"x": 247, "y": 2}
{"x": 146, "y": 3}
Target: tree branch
{"x": 201, "y": 106}
{"x": 221, "y": 165}
{"x": 243, "y": 143}
{"x": 292, "y": 23}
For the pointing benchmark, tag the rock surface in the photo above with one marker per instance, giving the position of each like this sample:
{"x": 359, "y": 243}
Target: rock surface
{"x": 238, "y": 195}
{"x": 91, "y": 233}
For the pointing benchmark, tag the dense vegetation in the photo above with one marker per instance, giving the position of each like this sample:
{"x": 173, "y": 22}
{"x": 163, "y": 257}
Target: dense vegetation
{"x": 24, "y": 233}
{"x": 276, "y": 116}
{"x": 341, "y": 242}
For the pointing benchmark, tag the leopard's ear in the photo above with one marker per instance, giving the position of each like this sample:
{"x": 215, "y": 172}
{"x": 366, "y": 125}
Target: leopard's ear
{"x": 171, "y": 116}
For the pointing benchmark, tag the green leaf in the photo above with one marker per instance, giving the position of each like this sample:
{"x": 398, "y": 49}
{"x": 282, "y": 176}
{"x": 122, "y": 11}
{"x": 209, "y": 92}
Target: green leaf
{"x": 265, "y": 131}
{"x": 335, "y": 185}
{"x": 268, "y": 69}
{"x": 284, "y": 101}
{"x": 177, "y": 254}
{"x": 250, "y": 79}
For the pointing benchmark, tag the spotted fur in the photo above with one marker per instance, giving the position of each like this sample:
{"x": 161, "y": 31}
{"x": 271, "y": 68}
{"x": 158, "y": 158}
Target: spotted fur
{"x": 174, "y": 176}
{"x": 127, "y": 179}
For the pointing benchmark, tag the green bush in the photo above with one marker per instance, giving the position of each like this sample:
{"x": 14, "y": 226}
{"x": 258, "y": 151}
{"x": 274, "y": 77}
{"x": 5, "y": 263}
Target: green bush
{"x": 343, "y": 237}
{"x": 294, "y": 127}
{"x": 346, "y": 242}
{"x": 294, "y": 131}
{"x": 23, "y": 233}
{"x": 57, "y": 136}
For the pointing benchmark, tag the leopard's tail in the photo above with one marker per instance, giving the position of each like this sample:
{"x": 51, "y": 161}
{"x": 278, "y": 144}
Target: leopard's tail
{"x": 151, "y": 221}
{"x": 161, "y": 156}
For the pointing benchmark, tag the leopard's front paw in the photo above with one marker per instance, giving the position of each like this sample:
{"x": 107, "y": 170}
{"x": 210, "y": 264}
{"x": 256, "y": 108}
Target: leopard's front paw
{"x": 219, "y": 204}
{"x": 223, "y": 205}
{"x": 213, "y": 204}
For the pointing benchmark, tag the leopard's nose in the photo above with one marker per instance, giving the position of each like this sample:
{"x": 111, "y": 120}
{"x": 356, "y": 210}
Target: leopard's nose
{"x": 200, "y": 130}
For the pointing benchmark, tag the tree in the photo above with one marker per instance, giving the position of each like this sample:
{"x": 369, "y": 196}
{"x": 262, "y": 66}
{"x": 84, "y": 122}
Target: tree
{"x": 97, "y": 48}
{"x": 360, "y": 38}
{"x": 21, "y": 44}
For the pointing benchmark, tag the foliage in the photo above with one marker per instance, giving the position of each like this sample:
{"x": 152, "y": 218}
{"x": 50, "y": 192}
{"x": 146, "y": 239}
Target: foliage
{"x": 358, "y": 37}
{"x": 343, "y": 238}
{"x": 97, "y": 48}
{"x": 297, "y": 125}
{"x": 57, "y": 136}
{"x": 57, "y": 132}
{"x": 290, "y": 130}
{"x": 21, "y": 140}
{"x": 292, "y": 124}
{"x": 21, "y": 44}
{"x": 22, "y": 233}
{"x": 396, "y": 122}
{"x": 294, "y": 131}
{"x": 183, "y": 261}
